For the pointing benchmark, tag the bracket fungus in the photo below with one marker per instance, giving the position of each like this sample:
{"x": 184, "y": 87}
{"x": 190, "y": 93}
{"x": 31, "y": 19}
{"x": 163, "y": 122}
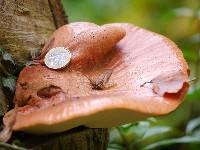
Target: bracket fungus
{"x": 118, "y": 73}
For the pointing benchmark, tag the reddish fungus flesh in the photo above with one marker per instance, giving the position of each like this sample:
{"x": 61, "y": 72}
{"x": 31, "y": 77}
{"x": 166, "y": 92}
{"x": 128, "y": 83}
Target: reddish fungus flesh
{"x": 147, "y": 69}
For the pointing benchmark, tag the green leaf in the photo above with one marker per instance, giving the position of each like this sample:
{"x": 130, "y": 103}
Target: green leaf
{"x": 115, "y": 136}
{"x": 6, "y": 146}
{"x": 152, "y": 119}
{"x": 127, "y": 126}
{"x": 182, "y": 140}
{"x": 6, "y": 62}
{"x": 115, "y": 147}
{"x": 8, "y": 57}
{"x": 9, "y": 82}
{"x": 192, "y": 125}
{"x": 196, "y": 133}
{"x": 128, "y": 134}
{"x": 18, "y": 143}
{"x": 154, "y": 131}
{"x": 137, "y": 131}
{"x": 2, "y": 51}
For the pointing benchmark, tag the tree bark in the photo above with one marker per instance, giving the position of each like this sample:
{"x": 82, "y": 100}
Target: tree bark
{"x": 25, "y": 26}
{"x": 80, "y": 138}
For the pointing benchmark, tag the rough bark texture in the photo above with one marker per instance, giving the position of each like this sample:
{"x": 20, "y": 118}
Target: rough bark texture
{"x": 79, "y": 138}
{"x": 25, "y": 26}
{"x": 86, "y": 139}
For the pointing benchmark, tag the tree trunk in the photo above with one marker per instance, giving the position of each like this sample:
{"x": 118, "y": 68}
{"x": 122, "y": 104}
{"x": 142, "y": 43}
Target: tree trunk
{"x": 25, "y": 26}
{"x": 80, "y": 138}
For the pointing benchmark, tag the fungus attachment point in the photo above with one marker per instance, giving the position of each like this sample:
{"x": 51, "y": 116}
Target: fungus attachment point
{"x": 57, "y": 58}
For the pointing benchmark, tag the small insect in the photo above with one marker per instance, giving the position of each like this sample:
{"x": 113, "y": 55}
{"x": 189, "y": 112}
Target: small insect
{"x": 100, "y": 82}
{"x": 57, "y": 58}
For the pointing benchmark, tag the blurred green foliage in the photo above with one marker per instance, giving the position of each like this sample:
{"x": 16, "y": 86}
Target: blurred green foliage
{"x": 179, "y": 20}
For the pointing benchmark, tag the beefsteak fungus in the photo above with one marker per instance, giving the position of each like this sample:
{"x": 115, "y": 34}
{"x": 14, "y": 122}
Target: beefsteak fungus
{"x": 118, "y": 73}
